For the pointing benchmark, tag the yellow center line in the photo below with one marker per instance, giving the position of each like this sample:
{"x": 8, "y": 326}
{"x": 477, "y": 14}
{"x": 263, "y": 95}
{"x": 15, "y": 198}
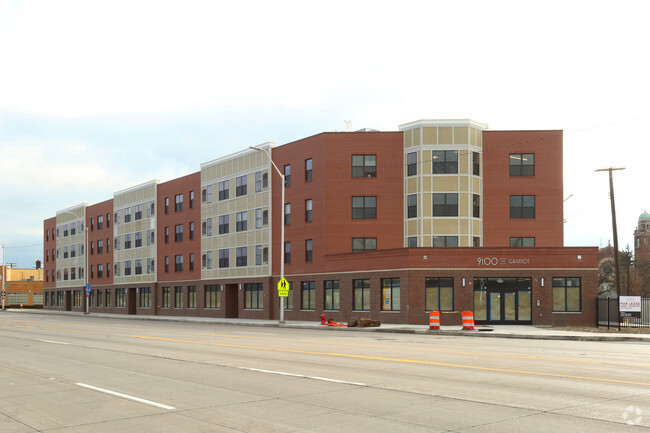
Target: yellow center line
{"x": 400, "y": 360}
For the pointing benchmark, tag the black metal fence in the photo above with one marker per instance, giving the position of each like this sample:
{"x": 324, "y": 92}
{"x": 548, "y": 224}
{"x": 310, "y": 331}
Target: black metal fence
{"x": 608, "y": 314}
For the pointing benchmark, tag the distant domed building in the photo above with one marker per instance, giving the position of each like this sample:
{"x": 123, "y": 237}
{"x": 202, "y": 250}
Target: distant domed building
{"x": 642, "y": 239}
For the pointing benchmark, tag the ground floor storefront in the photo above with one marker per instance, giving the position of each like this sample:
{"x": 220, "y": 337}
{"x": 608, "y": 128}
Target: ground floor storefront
{"x": 391, "y": 296}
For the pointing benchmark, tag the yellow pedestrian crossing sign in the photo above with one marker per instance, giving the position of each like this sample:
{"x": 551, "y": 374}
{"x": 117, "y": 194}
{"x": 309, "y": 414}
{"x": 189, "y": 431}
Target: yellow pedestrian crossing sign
{"x": 283, "y": 288}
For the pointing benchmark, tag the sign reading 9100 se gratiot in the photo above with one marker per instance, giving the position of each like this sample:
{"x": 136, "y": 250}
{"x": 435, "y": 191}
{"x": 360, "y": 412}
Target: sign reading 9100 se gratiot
{"x": 494, "y": 261}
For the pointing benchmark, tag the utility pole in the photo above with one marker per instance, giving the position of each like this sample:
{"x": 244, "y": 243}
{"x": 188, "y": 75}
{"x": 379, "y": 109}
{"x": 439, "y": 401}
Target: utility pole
{"x": 617, "y": 278}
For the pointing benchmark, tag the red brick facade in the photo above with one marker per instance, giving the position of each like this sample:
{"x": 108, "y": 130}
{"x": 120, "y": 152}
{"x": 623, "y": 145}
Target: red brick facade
{"x": 395, "y": 276}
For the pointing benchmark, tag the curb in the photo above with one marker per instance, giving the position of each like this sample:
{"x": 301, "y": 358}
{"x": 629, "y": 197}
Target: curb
{"x": 424, "y": 331}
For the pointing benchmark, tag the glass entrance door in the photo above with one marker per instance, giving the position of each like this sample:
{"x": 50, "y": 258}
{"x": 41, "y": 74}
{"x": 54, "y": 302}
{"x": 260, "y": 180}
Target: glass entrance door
{"x": 505, "y": 301}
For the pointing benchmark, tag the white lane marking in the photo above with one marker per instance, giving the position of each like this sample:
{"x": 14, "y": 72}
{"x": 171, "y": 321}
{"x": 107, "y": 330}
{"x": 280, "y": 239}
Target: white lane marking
{"x": 53, "y": 342}
{"x": 282, "y": 373}
{"x": 126, "y": 396}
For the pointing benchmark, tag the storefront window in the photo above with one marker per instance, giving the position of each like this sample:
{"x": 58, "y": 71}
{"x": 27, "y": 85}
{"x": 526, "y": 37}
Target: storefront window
{"x": 390, "y": 295}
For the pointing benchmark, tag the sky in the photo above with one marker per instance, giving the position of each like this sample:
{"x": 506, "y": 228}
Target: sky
{"x": 98, "y": 96}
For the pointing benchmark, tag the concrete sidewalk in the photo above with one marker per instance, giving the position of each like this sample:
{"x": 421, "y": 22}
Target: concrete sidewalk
{"x": 497, "y": 331}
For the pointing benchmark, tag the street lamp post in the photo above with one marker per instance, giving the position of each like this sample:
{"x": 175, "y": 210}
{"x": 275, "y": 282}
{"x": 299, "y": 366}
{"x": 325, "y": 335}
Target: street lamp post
{"x": 281, "y": 227}
{"x": 4, "y": 269}
{"x": 86, "y": 285}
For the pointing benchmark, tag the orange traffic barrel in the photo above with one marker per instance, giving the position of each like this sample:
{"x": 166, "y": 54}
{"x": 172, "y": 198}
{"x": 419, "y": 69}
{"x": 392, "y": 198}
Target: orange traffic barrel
{"x": 468, "y": 320}
{"x": 434, "y": 320}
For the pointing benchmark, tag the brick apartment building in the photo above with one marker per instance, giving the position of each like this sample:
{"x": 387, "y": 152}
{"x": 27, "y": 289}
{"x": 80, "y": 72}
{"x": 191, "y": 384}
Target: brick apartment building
{"x": 440, "y": 215}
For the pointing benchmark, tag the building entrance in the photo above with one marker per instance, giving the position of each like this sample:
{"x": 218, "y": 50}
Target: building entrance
{"x": 503, "y": 301}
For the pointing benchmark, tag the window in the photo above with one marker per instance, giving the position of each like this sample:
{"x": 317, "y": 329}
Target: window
{"x": 166, "y": 235}
{"x": 241, "y": 189}
{"x": 364, "y": 165}
{"x": 120, "y": 298}
{"x": 445, "y": 241}
{"x": 476, "y": 241}
{"x": 138, "y": 266}
{"x": 138, "y": 213}
{"x": 65, "y": 251}
{"x": 108, "y": 220}
{"x": 206, "y": 194}
{"x": 476, "y": 206}
{"x": 178, "y": 202}
{"x": 191, "y": 261}
{"x": 179, "y": 232}
{"x": 117, "y": 217}
{"x": 138, "y": 240}
{"x": 287, "y": 252}
{"x": 308, "y": 171}
{"x": 522, "y": 164}
{"x": 308, "y": 295}
{"x": 166, "y": 264}
{"x": 178, "y": 296}
{"x": 191, "y": 293}
{"x": 566, "y": 294}
{"x": 412, "y": 206}
{"x": 412, "y": 164}
{"x": 108, "y": 245}
{"x": 207, "y": 260}
{"x": 212, "y": 298}
{"x": 207, "y": 227}
{"x": 258, "y": 255}
{"x": 224, "y": 224}
{"x": 192, "y": 230}
{"x": 476, "y": 163}
{"x": 287, "y": 213}
{"x": 258, "y": 181}
{"x": 445, "y": 204}
{"x": 192, "y": 205}
{"x": 412, "y": 241}
{"x": 166, "y": 297}
{"x": 287, "y": 175}
{"x": 127, "y": 241}
{"x": 288, "y": 301}
{"x": 439, "y": 294}
{"x": 253, "y": 296}
{"x": 100, "y": 246}
{"x": 179, "y": 263}
{"x": 522, "y": 206}
{"x": 332, "y": 295}
{"x": 118, "y": 243}
{"x": 100, "y": 223}
{"x": 309, "y": 250}
{"x": 166, "y": 205}
{"x": 308, "y": 210}
{"x": 150, "y": 209}
{"x": 363, "y": 244}
{"x": 108, "y": 297}
{"x": 224, "y": 258}
{"x": 364, "y": 207}
{"x": 127, "y": 215}
{"x": 258, "y": 218}
{"x": 145, "y": 297}
{"x": 361, "y": 295}
{"x": 522, "y": 242}
{"x": 265, "y": 217}
{"x": 127, "y": 267}
{"x": 242, "y": 221}
{"x": 224, "y": 190}
{"x": 242, "y": 256}
{"x": 118, "y": 270}
{"x": 390, "y": 294}
{"x": 445, "y": 161}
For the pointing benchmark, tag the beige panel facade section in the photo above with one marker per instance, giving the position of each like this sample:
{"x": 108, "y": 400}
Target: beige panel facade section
{"x": 416, "y": 137}
{"x": 429, "y": 135}
{"x": 464, "y": 162}
{"x": 445, "y": 183}
{"x": 461, "y": 135}
{"x": 445, "y": 135}
{"x": 408, "y": 138}
{"x": 412, "y": 185}
{"x": 241, "y": 164}
{"x": 445, "y": 226}
{"x": 427, "y": 205}
{"x": 72, "y": 220}
{"x": 412, "y": 227}
{"x": 463, "y": 205}
{"x": 140, "y": 198}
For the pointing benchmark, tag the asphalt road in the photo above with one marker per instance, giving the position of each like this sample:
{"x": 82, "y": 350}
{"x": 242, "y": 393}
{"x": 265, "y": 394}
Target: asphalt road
{"x": 88, "y": 374}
